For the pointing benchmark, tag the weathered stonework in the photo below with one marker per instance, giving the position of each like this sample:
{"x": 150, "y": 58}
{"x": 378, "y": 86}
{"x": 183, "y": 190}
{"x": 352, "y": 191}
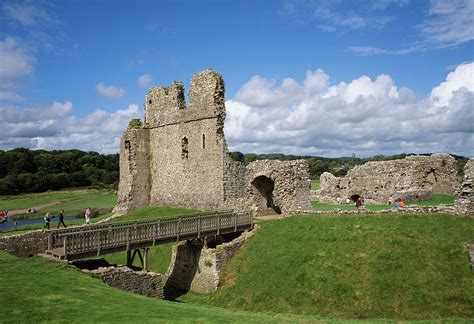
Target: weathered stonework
{"x": 278, "y": 186}
{"x": 413, "y": 178}
{"x": 464, "y": 201}
{"x": 179, "y": 156}
{"x": 197, "y": 268}
{"x": 140, "y": 282}
{"x": 31, "y": 243}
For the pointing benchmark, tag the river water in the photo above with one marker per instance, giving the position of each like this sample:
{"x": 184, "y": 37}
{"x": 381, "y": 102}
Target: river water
{"x": 12, "y": 223}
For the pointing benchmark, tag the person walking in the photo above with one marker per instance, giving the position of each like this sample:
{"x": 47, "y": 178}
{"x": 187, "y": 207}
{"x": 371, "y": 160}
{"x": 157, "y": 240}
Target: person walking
{"x": 61, "y": 218}
{"x": 87, "y": 215}
{"x": 47, "y": 220}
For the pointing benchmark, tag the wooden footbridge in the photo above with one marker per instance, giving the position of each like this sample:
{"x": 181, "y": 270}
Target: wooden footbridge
{"x": 95, "y": 240}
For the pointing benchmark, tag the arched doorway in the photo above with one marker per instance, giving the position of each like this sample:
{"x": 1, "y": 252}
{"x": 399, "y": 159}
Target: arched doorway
{"x": 355, "y": 197}
{"x": 265, "y": 187}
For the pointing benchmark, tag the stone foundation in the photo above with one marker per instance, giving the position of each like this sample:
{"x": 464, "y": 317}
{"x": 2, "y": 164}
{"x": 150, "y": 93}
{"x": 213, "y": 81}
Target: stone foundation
{"x": 27, "y": 244}
{"x": 140, "y": 282}
{"x": 194, "y": 267}
{"x": 413, "y": 178}
{"x": 179, "y": 157}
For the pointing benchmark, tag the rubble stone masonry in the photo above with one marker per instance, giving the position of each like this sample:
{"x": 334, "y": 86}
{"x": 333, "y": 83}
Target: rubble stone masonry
{"x": 179, "y": 156}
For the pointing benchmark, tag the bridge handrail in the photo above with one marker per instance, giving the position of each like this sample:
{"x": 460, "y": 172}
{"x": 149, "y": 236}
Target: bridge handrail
{"x": 118, "y": 223}
{"x": 138, "y": 232}
{"x": 150, "y": 222}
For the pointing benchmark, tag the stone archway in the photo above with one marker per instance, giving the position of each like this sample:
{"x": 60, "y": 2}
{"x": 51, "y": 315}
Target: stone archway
{"x": 355, "y": 197}
{"x": 265, "y": 186}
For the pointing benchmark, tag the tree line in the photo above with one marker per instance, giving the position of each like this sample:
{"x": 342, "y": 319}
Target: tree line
{"x": 23, "y": 170}
{"x": 337, "y": 166}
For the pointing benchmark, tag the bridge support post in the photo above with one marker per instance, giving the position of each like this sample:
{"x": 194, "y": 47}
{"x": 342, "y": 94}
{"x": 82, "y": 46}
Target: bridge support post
{"x": 143, "y": 258}
{"x": 129, "y": 258}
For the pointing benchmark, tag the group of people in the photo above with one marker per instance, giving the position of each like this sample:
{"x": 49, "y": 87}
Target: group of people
{"x": 397, "y": 205}
{"x": 47, "y": 218}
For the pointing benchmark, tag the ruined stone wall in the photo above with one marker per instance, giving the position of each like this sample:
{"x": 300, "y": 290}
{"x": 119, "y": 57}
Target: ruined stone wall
{"x": 291, "y": 186}
{"x": 179, "y": 157}
{"x": 378, "y": 181}
{"x": 140, "y": 282}
{"x": 464, "y": 201}
{"x": 134, "y": 185}
{"x": 194, "y": 180}
{"x": 234, "y": 178}
{"x": 27, "y": 244}
{"x": 197, "y": 268}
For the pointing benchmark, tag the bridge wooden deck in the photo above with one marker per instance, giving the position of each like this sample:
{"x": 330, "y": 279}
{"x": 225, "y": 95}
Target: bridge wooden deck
{"x": 89, "y": 241}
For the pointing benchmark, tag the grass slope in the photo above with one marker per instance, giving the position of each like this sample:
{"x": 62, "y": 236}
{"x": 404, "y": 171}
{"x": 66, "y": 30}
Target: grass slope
{"x": 74, "y": 202}
{"x": 155, "y": 212}
{"x": 38, "y": 290}
{"x": 395, "y": 267}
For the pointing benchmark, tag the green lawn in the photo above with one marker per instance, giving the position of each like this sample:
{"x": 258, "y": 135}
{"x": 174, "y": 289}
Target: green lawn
{"x": 150, "y": 212}
{"x": 314, "y": 184}
{"x": 54, "y": 224}
{"x": 369, "y": 267}
{"x": 159, "y": 258}
{"x": 74, "y": 202}
{"x": 37, "y": 290}
{"x": 436, "y": 200}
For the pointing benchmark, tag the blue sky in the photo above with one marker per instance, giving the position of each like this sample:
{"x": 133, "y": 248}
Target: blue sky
{"x": 302, "y": 77}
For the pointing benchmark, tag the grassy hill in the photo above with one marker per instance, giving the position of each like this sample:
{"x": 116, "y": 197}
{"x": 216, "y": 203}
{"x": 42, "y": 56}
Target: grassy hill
{"x": 393, "y": 267}
{"x": 38, "y": 290}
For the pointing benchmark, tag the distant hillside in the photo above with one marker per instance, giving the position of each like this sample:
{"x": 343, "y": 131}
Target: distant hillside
{"x": 337, "y": 166}
{"x": 23, "y": 170}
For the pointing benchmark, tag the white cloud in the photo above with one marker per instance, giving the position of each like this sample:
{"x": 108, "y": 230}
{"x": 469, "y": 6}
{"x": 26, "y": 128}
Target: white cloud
{"x": 447, "y": 24}
{"x": 461, "y": 78}
{"x": 110, "y": 92}
{"x": 10, "y": 96}
{"x": 144, "y": 80}
{"x": 333, "y": 16}
{"x": 364, "y": 116}
{"x": 28, "y": 14}
{"x": 56, "y": 127}
{"x": 16, "y": 60}
{"x": 450, "y": 22}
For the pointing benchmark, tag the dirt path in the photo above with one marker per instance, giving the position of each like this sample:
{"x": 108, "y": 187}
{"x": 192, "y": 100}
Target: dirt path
{"x": 13, "y": 212}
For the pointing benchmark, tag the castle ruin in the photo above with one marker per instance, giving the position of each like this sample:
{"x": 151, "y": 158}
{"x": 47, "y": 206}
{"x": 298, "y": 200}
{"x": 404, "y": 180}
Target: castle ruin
{"x": 179, "y": 157}
{"x": 410, "y": 179}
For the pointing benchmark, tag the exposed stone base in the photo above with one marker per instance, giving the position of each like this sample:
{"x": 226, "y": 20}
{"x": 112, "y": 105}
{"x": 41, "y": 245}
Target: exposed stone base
{"x": 140, "y": 282}
{"x": 194, "y": 267}
{"x": 412, "y": 209}
{"x": 26, "y": 244}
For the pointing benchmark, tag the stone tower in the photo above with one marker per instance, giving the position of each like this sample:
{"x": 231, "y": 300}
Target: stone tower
{"x": 179, "y": 157}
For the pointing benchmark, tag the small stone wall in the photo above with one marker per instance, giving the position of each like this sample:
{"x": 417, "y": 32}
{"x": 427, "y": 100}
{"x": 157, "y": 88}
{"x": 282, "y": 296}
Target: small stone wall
{"x": 26, "y": 244}
{"x": 412, "y": 178}
{"x": 196, "y": 268}
{"x": 411, "y": 209}
{"x": 140, "y": 282}
{"x": 291, "y": 186}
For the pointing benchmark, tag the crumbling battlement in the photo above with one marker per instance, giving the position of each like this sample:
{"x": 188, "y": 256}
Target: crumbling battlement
{"x": 379, "y": 182}
{"x": 179, "y": 156}
{"x": 167, "y": 106}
